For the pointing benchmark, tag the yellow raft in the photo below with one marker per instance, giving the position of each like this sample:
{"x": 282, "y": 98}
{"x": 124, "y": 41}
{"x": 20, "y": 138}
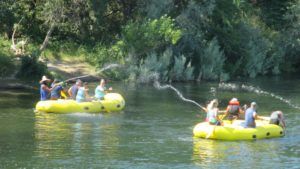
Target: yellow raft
{"x": 112, "y": 102}
{"x": 235, "y": 131}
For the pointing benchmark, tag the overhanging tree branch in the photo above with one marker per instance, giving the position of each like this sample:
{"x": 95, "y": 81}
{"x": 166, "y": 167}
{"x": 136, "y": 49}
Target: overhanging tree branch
{"x": 46, "y": 40}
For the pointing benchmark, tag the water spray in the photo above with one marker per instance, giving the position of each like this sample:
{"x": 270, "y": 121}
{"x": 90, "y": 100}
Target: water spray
{"x": 101, "y": 70}
{"x": 109, "y": 67}
{"x": 157, "y": 85}
{"x": 249, "y": 88}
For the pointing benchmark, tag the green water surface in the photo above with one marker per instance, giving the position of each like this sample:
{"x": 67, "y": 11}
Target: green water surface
{"x": 154, "y": 130}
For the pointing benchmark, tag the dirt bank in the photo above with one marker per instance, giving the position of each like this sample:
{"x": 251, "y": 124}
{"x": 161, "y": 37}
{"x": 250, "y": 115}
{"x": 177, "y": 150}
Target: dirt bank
{"x": 72, "y": 69}
{"x": 64, "y": 69}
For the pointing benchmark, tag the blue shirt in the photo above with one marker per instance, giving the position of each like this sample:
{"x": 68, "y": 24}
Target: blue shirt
{"x": 55, "y": 93}
{"x": 211, "y": 116}
{"x": 43, "y": 93}
{"x": 99, "y": 92}
{"x": 249, "y": 119}
{"x": 80, "y": 97}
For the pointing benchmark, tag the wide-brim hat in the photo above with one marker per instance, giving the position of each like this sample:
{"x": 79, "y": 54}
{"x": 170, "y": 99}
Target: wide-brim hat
{"x": 44, "y": 78}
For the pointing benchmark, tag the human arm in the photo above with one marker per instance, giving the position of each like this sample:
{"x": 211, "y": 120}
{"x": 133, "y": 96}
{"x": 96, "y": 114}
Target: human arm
{"x": 70, "y": 91}
{"x": 45, "y": 87}
{"x": 105, "y": 90}
{"x": 86, "y": 93}
{"x": 263, "y": 118}
{"x": 282, "y": 120}
{"x": 255, "y": 115}
{"x": 224, "y": 111}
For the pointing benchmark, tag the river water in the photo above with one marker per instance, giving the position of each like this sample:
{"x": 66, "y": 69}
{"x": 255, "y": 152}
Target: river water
{"x": 154, "y": 130}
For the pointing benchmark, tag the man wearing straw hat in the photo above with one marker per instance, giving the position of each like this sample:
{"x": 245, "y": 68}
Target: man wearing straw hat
{"x": 45, "y": 89}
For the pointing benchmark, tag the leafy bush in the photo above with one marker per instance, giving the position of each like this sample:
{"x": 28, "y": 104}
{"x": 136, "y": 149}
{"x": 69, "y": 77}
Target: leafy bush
{"x": 142, "y": 38}
{"x": 6, "y": 66}
{"x": 6, "y": 63}
{"x": 101, "y": 55}
{"x": 155, "y": 67}
{"x": 212, "y": 61}
{"x": 31, "y": 68}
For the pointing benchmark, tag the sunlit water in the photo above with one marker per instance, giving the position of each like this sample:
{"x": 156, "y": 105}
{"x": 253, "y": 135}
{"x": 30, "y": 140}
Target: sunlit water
{"x": 154, "y": 130}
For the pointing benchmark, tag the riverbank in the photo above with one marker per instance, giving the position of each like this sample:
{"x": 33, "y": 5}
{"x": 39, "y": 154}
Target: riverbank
{"x": 66, "y": 69}
{"x": 60, "y": 69}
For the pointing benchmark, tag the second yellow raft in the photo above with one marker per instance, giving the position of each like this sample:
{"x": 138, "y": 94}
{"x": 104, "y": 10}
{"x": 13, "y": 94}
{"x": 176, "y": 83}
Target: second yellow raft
{"x": 235, "y": 131}
{"x": 112, "y": 102}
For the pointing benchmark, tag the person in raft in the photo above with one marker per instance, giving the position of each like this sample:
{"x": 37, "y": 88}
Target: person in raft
{"x": 250, "y": 116}
{"x": 74, "y": 89}
{"x": 45, "y": 89}
{"x": 82, "y": 94}
{"x": 212, "y": 113}
{"x": 233, "y": 110}
{"x": 100, "y": 90}
{"x": 277, "y": 118}
{"x": 56, "y": 90}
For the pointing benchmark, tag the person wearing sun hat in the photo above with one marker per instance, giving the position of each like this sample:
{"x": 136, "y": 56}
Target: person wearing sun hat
{"x": 45, "y": 89}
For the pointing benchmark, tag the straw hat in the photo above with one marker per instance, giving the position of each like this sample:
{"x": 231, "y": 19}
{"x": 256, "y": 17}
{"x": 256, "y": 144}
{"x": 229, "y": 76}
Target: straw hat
{"x": 44, "y": 78}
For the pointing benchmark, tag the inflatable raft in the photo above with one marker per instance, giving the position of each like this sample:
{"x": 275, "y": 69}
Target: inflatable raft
{"x": 235, "y": 131}
{"x": 112, "y": 102}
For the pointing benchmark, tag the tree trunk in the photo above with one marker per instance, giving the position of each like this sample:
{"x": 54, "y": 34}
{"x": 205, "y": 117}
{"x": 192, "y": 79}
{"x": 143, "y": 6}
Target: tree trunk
{"x": 199, "y": 77}
{"x": 46, "y": 40}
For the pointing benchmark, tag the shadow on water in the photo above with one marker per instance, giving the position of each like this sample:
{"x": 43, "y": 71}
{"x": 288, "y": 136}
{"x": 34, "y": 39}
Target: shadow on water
{"x": 15, "y": 98}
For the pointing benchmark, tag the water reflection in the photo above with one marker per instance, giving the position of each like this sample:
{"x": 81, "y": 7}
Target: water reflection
{"x": 239, "y": 154}
{"x": 206, "y": 152}
{"x": 60, "y": 136}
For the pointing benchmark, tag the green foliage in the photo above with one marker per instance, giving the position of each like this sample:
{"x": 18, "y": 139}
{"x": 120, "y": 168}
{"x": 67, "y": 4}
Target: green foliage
{"x": 154, "y": 66}
{"x": 149, "y": 67}
{"x": 6, "y": 66}
{"x": 101, "y": 55}
{"x": 6, "y": 63}
{"x": 179, "y": 71}
{"x": 155, "y": 8}
{"x": 255, "y": 56}
{"x": 31, "y": 68}
{"x": 143, "y": 38}
{"x": 212, "y": 61}
{"x": 273, "y": 12}
{"x": 180, "y": 40}
{"x": 290, "y": 41}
